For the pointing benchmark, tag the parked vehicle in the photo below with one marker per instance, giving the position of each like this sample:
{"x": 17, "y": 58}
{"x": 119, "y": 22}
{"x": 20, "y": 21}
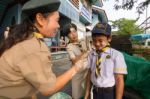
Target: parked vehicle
{"x": 146, "y": 43}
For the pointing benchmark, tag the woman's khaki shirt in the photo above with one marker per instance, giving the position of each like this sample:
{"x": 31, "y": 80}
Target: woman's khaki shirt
{"x": 26, "y": 68}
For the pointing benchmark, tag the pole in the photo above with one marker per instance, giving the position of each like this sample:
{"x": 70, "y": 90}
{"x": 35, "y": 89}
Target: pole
{"x": 146, "y": 18}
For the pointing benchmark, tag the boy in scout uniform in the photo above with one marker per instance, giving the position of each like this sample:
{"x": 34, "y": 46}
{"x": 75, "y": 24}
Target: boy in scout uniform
{"x": 106, "y": 66}
{"x": 25, "y": 60}
{"x": 76, "y": 49}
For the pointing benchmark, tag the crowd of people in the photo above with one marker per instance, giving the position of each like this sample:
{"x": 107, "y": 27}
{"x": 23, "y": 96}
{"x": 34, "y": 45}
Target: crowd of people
{"x": 26, "y": 65}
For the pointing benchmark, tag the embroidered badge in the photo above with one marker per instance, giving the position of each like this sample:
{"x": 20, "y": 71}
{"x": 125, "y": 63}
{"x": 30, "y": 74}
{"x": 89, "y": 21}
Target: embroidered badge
{"x": 100, "y": 26}
{"x": 108, "y": 57}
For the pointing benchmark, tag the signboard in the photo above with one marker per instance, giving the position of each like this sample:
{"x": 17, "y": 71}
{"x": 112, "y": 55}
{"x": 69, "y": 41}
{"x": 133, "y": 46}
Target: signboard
{"x": 85, "y": 12}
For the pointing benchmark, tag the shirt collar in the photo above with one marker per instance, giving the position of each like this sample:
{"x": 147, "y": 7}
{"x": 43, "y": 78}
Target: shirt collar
{"x": 106, "y": 51}
{"x": 38, "y": 35}
{"x": 42, "y": 45}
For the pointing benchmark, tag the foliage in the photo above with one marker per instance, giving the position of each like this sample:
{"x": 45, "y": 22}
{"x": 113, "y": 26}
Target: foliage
{"x": 129, "y": 4}
{"x": 143, "y": 52}
{"x": 126, "y": 27}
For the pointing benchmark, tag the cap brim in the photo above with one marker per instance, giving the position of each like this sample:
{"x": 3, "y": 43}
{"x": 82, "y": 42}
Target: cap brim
{"x": 100, "y": 31}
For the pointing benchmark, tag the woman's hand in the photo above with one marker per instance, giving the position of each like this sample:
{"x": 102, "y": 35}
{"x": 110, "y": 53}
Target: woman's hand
{"x": 82, "y": 63}
{"x": 84, "y": 55}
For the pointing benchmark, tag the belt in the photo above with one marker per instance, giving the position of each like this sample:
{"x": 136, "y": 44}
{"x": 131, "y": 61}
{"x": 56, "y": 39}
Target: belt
{"x": 103, "y": 89}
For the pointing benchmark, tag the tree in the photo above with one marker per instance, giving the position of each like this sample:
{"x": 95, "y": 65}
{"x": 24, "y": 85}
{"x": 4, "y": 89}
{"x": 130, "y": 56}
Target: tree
{"x": 129, "y": 4}
{"x": 126, "y": 27}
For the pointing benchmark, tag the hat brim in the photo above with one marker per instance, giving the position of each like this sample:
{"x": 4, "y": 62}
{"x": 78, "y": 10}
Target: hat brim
{"x": 100, "y": 32}
{"x": 33, "y": 7}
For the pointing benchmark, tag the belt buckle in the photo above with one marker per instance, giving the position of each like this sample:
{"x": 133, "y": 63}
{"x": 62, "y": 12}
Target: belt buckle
{"x": 97, "y": 89}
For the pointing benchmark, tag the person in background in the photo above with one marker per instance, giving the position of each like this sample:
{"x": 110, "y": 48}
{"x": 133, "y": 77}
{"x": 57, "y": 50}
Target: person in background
{"x": 48, "y": 41}
{"x": 54, "y": 42}
{"x": 76, "y": 49}
{"x": 6, "y": 32}
{"x": 107, "y": 66}
{"x": 62, "y": 41}
{"x": 25, "y": 60}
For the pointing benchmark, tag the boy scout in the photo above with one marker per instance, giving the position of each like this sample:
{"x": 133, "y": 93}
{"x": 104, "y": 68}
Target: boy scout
{"x": 76, "y": 49}
{"x": 106, "y": 66}
{"x": 25, "y": 59}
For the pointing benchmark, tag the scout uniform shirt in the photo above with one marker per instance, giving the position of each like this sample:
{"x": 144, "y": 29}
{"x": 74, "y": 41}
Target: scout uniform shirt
{"x": 112, "y": 63}
{"x": 74, "y": 50}
{"x": 26, "y": 68}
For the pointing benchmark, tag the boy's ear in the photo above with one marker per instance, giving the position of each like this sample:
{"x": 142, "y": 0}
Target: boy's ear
{"x": 109, "y": 39}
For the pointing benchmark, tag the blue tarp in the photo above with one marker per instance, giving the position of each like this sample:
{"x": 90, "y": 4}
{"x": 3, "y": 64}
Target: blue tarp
{"x": 140, "y": 36}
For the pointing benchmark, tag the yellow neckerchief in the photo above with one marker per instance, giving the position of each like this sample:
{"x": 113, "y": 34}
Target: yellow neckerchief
{"x": 103, "y": 49}
{"x": 98, "y": 60}
{"x": 37, "y": 35}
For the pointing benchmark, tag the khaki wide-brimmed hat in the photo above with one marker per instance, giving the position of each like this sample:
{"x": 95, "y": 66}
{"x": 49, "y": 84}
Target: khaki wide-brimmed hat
{"x": 40, "y": 6}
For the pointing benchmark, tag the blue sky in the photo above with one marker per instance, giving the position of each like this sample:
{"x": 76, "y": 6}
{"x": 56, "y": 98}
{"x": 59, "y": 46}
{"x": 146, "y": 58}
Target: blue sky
{"x": 129, "y": 14}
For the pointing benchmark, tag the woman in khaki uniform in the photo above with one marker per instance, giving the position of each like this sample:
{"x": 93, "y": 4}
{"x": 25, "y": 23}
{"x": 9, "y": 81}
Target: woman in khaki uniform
{"x": 76, "y": 48}
{"x": 25, "y": 60}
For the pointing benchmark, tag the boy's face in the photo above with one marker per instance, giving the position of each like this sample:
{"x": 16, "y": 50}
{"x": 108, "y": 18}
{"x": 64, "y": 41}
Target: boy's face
{"x": 73, "y": 35}
{"x": 100, "y": 41}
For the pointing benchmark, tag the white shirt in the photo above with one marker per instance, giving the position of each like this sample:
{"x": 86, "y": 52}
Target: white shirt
{"x": 109, "y": 66}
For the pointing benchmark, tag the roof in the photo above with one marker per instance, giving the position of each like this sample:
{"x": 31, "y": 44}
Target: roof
{"x": 140, "y": 36}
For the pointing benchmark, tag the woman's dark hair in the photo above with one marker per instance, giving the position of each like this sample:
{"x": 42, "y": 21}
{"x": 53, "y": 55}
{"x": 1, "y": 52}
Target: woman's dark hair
{"x": 18, "y": 33}
{"x": 68, "y": 27}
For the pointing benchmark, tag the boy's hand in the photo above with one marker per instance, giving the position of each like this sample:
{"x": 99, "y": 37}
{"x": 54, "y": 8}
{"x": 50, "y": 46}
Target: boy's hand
{"x": 86, "y": 97}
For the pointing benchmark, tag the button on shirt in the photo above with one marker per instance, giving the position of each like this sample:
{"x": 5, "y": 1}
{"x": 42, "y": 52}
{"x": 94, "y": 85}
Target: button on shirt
{"x": 26, "y": 68}
{"x": 112, "y": 63}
